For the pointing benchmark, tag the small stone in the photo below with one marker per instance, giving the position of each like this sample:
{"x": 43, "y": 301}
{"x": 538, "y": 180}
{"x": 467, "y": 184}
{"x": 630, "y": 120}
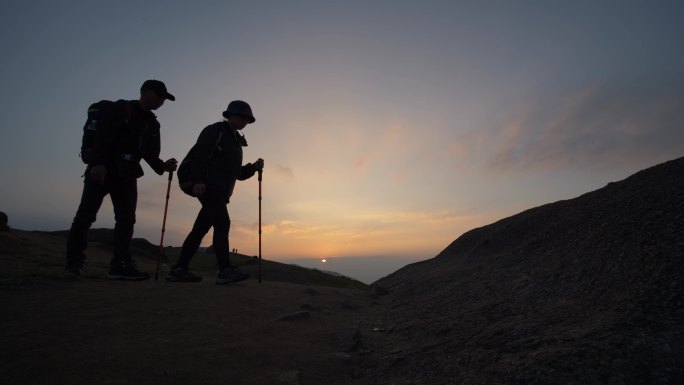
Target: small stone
{"x": 349, "y": 305}
{"x": 344, "y": 357}
{"x": 383, "y": 329}
{"x": 378, "y": 291}
{"x": 295, "y": 316}
{"x": 358, "y": 373}
{"x": 311, "y": 292}
{"x": 365, "y": 351}
{"x": 349, "y": 340}
{"x": 291, "y": 377}
{"x": 3, "y": 222}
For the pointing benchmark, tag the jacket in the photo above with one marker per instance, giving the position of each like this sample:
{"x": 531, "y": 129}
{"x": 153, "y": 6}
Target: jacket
{"x": 125, "y": 135}
{"x": 216, "y": 159}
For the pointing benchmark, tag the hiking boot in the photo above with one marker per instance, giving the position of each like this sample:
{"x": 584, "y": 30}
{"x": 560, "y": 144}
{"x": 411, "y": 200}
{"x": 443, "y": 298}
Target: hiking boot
{"x": 126, "y": 271}
{"x": 180, "y": 274}
{"x": 230, "y": 275}
{"x": 73, "y": 271}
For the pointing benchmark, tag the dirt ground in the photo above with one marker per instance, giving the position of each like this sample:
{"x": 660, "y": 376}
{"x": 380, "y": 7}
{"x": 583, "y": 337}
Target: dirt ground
{"x": 584, "y": 291}
{"x": 95, "y": 331}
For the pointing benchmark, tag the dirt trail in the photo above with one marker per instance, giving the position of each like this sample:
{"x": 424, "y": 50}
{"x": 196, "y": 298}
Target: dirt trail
{"x": 95, "y": 331}
{"x": 99, "y": 332}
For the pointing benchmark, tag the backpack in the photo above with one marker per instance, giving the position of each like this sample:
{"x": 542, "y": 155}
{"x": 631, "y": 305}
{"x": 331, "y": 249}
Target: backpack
{"x": 95, "y": 113}
{"x": 183, "y": 172}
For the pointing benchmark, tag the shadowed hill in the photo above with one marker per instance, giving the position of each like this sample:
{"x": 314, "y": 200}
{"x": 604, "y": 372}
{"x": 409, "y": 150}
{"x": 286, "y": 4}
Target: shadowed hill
{"x": 587, "y": 290}
{"x": 95, "y": 331}
{"x": 40, "y": 254}
{"x": 583, "y": 291}
{"x": 139, "y": 246}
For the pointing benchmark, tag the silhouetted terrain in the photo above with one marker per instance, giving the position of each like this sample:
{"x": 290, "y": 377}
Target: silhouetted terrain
{"x": 205, "y": 263}
{"x": 582, "y": 291}
{"x": 94, "y": 331}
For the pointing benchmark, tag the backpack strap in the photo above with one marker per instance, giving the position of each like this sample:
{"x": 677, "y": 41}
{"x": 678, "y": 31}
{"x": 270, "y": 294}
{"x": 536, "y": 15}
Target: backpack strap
{"x": 216, "y": 145}
{"x": 126, "y": 108}
{"x": 218, "y": 140}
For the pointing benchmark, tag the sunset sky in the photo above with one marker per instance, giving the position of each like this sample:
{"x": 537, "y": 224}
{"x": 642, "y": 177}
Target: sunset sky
{"x": 388, "y": 128}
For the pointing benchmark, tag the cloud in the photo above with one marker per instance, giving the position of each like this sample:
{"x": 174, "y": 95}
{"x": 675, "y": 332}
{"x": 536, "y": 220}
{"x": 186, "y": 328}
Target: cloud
{"x": 284, "y": 171}
{"x": 357, "y": 232}
{"x": 403, "y": 218}
{"x": 288, "y": 228}
{"x": 600, "y": 126}
{"x": 361, "y": 165}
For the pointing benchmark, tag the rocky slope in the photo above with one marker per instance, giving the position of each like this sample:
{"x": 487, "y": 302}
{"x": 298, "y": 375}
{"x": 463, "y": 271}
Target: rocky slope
{"x": 582, "y": 291}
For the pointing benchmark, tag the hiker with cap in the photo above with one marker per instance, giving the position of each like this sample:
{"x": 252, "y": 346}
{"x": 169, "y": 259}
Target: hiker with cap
{"x": 117, "y": 135}
{"x": 209, "y": 173}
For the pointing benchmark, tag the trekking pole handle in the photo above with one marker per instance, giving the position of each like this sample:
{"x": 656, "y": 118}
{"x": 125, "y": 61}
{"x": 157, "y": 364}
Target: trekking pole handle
{"x": 168, "y": 193}
{"x": 260, "y": 165}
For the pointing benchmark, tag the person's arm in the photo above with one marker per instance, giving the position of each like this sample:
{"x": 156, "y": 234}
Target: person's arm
{"x": 248, "y": 170}
{"x": 203, "y": 150}
{"x": 153, "y": 150}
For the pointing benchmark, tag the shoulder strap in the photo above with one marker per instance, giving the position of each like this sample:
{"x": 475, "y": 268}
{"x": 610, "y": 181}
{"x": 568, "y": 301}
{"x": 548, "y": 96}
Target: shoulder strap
{"x": 126, "y": 107}
{"x": 218, "y": 140}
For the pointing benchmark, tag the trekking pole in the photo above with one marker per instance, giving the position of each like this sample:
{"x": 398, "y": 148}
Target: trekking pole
{"x": 161, "y": 242}
{"x": 260, "y": 172}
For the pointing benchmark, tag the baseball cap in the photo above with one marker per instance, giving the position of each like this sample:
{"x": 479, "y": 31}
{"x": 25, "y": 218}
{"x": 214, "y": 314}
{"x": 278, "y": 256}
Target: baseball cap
{"x": 159, "y": 88}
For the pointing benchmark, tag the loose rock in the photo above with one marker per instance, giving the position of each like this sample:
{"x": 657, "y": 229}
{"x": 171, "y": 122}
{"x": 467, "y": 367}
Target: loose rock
{"x": 3, "y": 222}
{"x": 311, "y": 292}
{"x": 349, "y": 340}
{"x": 295, "y": 316}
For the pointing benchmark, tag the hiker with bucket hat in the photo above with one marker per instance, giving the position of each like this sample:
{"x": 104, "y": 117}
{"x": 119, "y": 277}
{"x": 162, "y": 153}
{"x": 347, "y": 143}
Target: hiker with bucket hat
{"x": 209, "y": 173}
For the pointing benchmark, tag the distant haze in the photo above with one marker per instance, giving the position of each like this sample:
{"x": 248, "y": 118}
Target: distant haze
{"x": 364, "y": 269}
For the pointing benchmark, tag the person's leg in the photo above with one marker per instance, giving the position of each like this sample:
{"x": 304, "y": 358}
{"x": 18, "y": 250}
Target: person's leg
{"x": 200, "y": 228}
{"x": 124, "y": 194}
{"x": 221, "y": 224}
{"x": 214, "y": 201}
{"x": 77, "y": 240}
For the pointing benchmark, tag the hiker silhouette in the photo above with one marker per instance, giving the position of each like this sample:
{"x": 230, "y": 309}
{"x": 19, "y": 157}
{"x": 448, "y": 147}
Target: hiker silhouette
{"x": 209, "y": 173}
{"x": 117, "y": 135}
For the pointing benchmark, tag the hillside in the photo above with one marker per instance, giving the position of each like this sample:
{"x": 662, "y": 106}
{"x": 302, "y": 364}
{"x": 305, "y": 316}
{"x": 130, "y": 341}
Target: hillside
{"x": 94, "y": 331}
{"x": 583, "y": 291}
{"x": 205, "y": 264}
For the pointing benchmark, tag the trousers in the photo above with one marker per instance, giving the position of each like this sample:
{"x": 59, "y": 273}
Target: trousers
{"x": 214, "y": 213}
{"x": 124, "y": 195}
